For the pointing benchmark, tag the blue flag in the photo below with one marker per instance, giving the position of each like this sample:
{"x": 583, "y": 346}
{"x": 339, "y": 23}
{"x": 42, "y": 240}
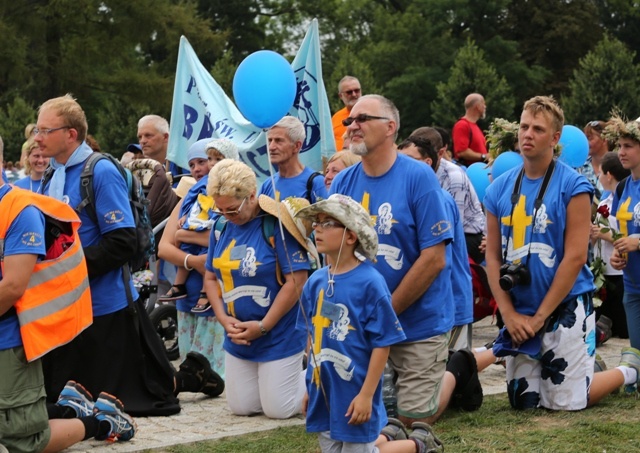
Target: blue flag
{"x": 201, "y": 109}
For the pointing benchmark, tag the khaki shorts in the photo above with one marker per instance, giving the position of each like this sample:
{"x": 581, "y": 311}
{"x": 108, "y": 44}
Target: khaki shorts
{"x": 24, "y": 424}
{"x": 420, "y": 367}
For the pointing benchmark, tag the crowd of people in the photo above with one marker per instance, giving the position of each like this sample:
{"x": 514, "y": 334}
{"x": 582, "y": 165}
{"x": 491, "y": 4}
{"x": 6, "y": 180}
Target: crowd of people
{"x": 293, "y": 296}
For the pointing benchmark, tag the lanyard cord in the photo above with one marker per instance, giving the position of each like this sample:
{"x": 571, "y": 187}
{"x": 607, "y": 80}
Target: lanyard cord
{"x": 515, "y": 196}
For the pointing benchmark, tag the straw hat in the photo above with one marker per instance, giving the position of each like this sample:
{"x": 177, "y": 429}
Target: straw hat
{"x": 186, "y": 183}
{"x": 285, "y": 211}
{"x": 352, "y": 215}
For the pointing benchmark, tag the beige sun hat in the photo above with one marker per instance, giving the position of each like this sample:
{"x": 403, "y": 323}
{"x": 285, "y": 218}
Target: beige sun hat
{"x": 185, "y": 183}
{"x": 285, "y": 211}
{"x": 352, "y": 215}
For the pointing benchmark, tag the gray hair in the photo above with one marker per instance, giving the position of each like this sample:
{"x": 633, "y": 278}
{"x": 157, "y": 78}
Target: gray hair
{"x": 158, "y": 122}
{"x": 294, "y": 127}
{"x": 388, "y": 107}
{"x": 346, "y": 78}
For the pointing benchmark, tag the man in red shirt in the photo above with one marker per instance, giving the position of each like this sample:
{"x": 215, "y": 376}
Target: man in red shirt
{"x": 469, "y": 144}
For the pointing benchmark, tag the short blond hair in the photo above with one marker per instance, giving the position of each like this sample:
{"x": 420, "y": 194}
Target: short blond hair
{"x": 231, "y": 178}
{"x": 68, "y": 108}
{"x": 346, "y": 157}
{"x": 548, "y": 106}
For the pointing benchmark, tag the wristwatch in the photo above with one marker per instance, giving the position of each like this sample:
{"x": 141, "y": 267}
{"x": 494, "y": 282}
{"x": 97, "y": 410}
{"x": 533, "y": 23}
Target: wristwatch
{"x": 263, "y": 331}
{"x": 483, "y": 157}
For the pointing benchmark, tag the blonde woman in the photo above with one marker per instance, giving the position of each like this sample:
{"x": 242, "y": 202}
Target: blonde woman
{"x": 337, "y": 163}
{"x": 34, "y": 166}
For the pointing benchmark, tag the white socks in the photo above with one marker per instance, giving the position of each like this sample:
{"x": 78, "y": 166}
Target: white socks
{"x": 630, "y": 374}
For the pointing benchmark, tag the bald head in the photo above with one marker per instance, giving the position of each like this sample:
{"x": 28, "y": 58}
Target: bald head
{"x": 475, "y": 107}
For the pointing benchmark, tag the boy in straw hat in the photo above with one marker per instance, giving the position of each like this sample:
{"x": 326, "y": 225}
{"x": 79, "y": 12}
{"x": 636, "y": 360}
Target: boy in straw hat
{"x": 348, "y": 312}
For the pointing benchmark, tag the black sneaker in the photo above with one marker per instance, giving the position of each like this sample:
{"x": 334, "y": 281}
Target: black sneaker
{"x": 198, "y": 366}
{"x": 468, "y": 395}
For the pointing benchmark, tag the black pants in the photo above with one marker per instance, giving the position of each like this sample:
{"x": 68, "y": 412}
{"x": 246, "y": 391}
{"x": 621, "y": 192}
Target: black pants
{"x": 121, "y": 354}
{"x": 473, "y": 241}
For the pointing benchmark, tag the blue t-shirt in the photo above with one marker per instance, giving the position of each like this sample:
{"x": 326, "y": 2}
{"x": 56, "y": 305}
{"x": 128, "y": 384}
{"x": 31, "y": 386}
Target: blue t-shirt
{"x": 461, "y": 286}
{"x": 544, "y": 235}
{"x": 627, "y": 211}
{"x": 29, "y": 184}
{"x": 24, "y": 236}
{"x": 407, "y": 207}
{"x": 345, "y": 326}
{"x": 245, "y": 265}
{"x": 295, "y": 187}
{"x": 113, "y": 212}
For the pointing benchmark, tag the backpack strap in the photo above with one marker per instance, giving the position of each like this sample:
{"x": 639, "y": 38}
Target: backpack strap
{"x": 620, "y": 187}
{"x": 312, "y": 176}
{"x": 86, "y": 186}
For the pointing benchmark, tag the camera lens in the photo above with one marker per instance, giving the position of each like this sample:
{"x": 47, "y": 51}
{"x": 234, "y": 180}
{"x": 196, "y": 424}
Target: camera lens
{"x": 507, "y": 282}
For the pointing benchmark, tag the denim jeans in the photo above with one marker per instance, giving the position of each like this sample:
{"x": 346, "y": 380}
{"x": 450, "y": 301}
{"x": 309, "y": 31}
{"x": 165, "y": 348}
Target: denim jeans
{"x": 632, "y": 308}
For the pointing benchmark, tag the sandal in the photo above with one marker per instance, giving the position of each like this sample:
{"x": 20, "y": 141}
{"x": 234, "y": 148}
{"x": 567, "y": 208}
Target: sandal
{"x": 394, "y": 430}
{"x": 175, "y": 292}
{"x": 201, "y": 308}
{"x": 424, "y": 433}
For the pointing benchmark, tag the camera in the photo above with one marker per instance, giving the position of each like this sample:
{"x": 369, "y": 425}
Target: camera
{"x": 512, "y": 275}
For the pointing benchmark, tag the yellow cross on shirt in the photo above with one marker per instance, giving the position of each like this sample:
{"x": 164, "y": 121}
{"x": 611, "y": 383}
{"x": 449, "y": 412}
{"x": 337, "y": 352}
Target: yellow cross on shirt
{"x": 520, "y": 223}
{"x": 225, "y": 264}
{"x": 624, "y": 215}
{"x": 319, "y": 323}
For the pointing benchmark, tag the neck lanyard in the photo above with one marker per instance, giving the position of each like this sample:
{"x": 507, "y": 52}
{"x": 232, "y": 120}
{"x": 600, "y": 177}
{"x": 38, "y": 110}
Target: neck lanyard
{"x": 515, "y": 196}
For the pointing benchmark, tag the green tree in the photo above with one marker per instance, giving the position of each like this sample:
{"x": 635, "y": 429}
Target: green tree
{"x": 606, "y": 78}
{"x": 472, "y": 74}
{"x": 14, "y": 117}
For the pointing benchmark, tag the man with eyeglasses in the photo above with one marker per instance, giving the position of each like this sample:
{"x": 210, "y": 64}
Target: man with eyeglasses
{"x": 407, "y": 207}
{"x": 113, "y": 354}
{"x": 469, "y": 143}
{"x": 349, "y": 92}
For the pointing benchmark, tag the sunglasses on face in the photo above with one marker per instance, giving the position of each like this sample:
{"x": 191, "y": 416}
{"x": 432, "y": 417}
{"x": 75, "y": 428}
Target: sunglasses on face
{"x": 362, "y": 118}
{"x": 326, "y": 224}
{"x": 233, "y": 212}
{"x": 351, "y": 92}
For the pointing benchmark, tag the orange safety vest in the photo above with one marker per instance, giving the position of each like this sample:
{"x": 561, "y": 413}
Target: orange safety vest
{"x": 56, "y": 306}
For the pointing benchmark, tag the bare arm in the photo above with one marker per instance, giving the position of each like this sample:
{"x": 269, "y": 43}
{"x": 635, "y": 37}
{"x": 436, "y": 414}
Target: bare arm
{"x": 576, "y": 241}
{"x": 16, "y": 274}
{"x": 470, "y": 155}
{"x": 360, "y": 407}
{"x": 516, "y": 323}
{"x": 286, "y": 298}
{"x": 193, "y": 237}
{"x": 419, "y": 277}
{"x": 168, "y": 250}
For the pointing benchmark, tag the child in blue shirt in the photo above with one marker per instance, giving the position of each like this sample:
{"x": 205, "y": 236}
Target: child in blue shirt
{"x": 346, "y": 308}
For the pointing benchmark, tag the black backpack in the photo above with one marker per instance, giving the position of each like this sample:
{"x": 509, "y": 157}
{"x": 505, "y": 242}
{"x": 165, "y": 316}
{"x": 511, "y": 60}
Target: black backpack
{"x": 137, "y": 201}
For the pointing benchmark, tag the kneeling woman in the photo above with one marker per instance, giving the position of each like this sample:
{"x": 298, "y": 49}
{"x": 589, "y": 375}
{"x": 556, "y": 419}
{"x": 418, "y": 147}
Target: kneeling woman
{"x": 253, "y": 281}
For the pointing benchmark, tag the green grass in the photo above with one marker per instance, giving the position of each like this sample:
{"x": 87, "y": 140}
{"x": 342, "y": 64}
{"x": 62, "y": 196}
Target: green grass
{"x": 611, "y": 426}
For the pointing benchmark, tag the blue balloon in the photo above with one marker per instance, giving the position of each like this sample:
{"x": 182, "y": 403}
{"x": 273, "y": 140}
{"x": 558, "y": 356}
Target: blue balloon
{"x": 505, "y": 162}
{"x": 478, "y": 174}
{"x": 575, "y": 146}
{"x": 264, "y": 88}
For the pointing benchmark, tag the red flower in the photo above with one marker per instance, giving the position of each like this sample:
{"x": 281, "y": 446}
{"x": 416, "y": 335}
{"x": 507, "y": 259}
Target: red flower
{"x": 603, "y": 211}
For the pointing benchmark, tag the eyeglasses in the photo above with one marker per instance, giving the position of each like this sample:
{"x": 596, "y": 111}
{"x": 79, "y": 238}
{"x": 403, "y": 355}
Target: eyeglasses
{"x": 352, "y": 92}
{"x": 362, "y": 118}
{"x": 595, "y": 125}
{"x": 326, "y": 224}
{"x": 231, "y": 213}
{"x": 46, "y": 132}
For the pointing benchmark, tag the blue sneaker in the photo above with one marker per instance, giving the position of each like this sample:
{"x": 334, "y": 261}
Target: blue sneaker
{"x": 109, "y": 408}
{"x": 76, "y": 397}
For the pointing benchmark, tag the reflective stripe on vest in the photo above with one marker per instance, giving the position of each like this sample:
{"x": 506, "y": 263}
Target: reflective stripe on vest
{"x": 56, "y": 305}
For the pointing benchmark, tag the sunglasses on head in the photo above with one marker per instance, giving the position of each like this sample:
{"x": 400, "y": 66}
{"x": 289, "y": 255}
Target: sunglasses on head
{"x": 362, "y": 118}
{"x": 595, "y": 125}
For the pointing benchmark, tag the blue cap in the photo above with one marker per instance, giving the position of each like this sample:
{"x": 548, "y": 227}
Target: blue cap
{"x": 504, "y": 345}
{"x": 198, "y": 150}
{"x": 134, "y": 148}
